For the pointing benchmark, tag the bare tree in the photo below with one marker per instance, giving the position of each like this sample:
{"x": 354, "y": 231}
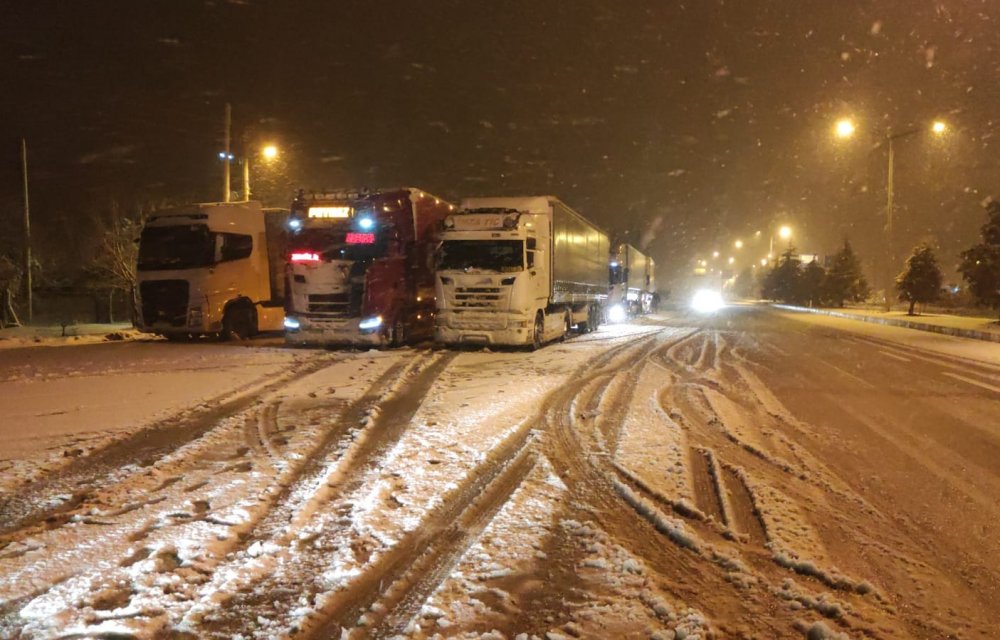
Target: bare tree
{"x": 117, "y": 248}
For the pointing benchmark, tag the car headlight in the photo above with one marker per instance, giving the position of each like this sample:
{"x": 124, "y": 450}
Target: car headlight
{"x": 617, "y": 313}
{"x": 707, "y": 301}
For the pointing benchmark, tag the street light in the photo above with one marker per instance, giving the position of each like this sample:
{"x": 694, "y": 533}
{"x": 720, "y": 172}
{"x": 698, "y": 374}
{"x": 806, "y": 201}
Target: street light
{"x": 784, "y": 232}
{"x": 844, "y": 128}
{"x": 738, "y": 244}
{"x": 938, "y": 128}
{"x": 715, "y": 254}
{"x": 268, "y": 153}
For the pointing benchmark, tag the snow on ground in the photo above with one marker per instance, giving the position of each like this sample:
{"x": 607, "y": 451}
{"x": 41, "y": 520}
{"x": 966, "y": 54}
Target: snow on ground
{"x": 653, "y": 446}
{"x": 499, "y": 587}
{"x": 481, "y": 399}
{"x": 971, "y": 323}
{"x": 987, "y": 352}
{"x": 72, "y": 335}
{"x": 149, "y": 542}
{"x": 60, "y": 406}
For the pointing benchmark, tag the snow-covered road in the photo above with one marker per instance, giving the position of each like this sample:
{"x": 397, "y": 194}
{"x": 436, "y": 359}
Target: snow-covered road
{"x": 751, "y": 475}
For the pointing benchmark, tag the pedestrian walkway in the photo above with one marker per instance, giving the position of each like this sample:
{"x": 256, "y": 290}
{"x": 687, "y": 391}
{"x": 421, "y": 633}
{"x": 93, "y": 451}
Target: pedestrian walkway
{"x": 978, "y": 328}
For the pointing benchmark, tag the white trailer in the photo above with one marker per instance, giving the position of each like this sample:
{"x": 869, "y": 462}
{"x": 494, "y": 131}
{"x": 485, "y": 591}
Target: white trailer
{"x": 212, "y": 269}
{"x": 519, "y": 271}
{"x": 633, "y": 283}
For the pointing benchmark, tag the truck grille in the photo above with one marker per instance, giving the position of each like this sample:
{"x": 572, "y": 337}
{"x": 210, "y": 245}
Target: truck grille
{"x": 334, "y": 303}
{"x": 477, "y": 321}
{"x": 478, "y": 297}
{"x": 164, "y": 301}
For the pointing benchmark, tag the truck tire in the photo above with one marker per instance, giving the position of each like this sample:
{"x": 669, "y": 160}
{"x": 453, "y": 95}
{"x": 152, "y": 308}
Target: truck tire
{"x": 239, "y": 322}
{"x": 567, "y": 327}
{"x": 593, "y": 318}
{"x": 397, "y": 333}
{"x": 537, "y": 331}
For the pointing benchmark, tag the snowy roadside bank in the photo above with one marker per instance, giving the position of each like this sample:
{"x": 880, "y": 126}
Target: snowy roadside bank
{"x": 71, "y": 335}
{"x": 957, "y": 326}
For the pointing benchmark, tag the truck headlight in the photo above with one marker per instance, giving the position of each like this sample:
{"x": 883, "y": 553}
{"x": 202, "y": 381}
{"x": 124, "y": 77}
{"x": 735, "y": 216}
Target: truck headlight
{"x": 194, "y": 317}
{"x": 370, "y": 324}
{"x": 292, "y": 324}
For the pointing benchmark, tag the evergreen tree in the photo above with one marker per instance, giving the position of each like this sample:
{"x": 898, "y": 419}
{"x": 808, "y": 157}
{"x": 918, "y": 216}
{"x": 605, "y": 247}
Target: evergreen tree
{"x": 845, "y": 281}
{"x": 782, "y": 282}
{"x": 812, "y": 284}
{"x": 921, "y": 279}
{"x": 981, "y": 263}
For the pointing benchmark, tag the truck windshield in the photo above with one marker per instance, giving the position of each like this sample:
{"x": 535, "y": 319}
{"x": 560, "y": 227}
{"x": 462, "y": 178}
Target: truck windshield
{"x": 176, "y": 247}
{"x": 485, "y": 255}
{"x": 340, "y": 243}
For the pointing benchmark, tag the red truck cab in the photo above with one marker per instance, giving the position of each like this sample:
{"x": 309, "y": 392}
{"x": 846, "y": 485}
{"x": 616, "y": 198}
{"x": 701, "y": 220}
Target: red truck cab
{"x": 360, "y": 267}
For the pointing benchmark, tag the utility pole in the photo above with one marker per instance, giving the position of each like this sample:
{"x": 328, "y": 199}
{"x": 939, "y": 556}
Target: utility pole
{"x": 27, "y": 229}
{"x": 890, "y": 187}
{"x": 226, "y": 160}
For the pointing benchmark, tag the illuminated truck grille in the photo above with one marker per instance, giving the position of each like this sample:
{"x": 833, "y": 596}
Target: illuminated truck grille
{"x": 333, "y": 303}
{"x": 478, "y": 297}
{"x": 164, "y": 302}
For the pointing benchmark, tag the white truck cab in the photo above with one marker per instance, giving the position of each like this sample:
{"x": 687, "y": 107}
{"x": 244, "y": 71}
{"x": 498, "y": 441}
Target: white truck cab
{"x": 518, "y": 271}
{"x": 214, "y": 268}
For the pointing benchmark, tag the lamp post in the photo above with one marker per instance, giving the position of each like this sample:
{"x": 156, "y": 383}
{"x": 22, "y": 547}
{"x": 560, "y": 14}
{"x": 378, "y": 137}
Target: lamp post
{"x": 268, "y": 153}
{"x": 845, "y": 129}
{"x": 785, "y": 233}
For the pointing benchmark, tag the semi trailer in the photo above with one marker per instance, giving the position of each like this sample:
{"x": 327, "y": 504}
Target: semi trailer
{"x": 360, "y": 267}
{"x": 212, "y": 269}
{"x": 632, "y": 281}
{"x": 519, "y": 271}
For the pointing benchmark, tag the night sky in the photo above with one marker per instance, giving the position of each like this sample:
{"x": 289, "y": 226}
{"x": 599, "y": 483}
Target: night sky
{"x": 685, "y": 124}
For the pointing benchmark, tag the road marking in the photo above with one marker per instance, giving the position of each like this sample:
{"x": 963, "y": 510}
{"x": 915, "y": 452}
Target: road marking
{"x": 971, "y": 381}
{"x": 850, "y": 375}
{"x": 893, "y": 355}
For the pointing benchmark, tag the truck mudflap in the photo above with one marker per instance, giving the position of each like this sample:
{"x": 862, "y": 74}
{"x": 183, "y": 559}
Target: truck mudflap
{"x": 332, "y": 332}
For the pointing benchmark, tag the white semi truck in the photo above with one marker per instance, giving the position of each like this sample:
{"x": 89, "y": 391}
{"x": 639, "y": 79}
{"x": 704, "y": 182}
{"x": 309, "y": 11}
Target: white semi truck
{"x": 633, "y": 283}
{"x": 212, "y": 269}
{"x": 518, "y": 271}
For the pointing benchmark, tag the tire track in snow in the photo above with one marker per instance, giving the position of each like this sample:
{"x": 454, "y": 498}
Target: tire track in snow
{"x": 49, "y": 500}
{"x": 509, "y": 461}
{"x": 258, "y": 420}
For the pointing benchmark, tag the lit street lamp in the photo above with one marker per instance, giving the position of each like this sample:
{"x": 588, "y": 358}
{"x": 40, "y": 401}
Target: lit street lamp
{"x": 844, "y": 128}
{"x": 784, "y": 232}
{"x": 938, "y": 128}
{"x": 738, "y": 244}
{"x": 268, "y": 153}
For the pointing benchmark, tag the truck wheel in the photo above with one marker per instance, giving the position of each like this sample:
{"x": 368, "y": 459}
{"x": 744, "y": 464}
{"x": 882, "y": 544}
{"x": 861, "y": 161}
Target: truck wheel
{"x": 397, "y": 333}
{"x": 536, "y": 336}
{"x": 593, "y": 319}
{"x": 567, "y": 327}
{"x": 239, "y": 323}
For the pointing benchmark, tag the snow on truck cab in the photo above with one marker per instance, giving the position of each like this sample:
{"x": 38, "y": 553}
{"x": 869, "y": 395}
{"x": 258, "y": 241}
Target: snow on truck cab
{"x": 212, "y": 268}
{"x": 360, "y": 267}
{"x": 518, "y": 271}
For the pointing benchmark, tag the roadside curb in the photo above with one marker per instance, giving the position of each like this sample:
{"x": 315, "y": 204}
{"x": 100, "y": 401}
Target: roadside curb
{"x": 988, "y": 336}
